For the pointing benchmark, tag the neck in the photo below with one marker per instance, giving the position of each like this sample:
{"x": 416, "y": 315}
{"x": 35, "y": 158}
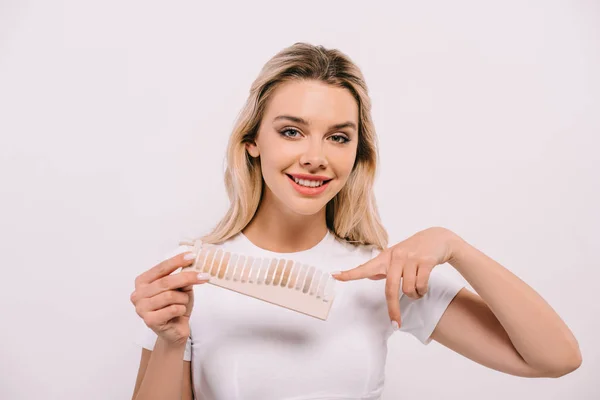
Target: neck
{"x": 282, "y": 231}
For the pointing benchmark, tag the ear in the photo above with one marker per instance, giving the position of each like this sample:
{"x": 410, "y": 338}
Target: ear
{"x": 252, "y": 149}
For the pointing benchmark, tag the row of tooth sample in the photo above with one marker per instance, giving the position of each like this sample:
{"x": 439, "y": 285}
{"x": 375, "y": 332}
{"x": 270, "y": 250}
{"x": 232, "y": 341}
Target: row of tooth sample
{"x": 268, "y": 271}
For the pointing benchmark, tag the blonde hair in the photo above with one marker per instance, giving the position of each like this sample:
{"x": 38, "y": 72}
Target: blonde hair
{"x": 352, "y": 214}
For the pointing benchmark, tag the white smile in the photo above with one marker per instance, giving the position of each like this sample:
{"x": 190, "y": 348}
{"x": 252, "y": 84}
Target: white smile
{"x": 307, "y": 182}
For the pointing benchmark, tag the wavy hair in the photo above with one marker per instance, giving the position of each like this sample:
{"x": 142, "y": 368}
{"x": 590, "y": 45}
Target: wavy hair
{"x": 352, "y": 215}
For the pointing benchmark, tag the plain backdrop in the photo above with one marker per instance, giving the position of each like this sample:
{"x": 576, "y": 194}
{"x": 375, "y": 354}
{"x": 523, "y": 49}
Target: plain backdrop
{"x": 114, "y": 117}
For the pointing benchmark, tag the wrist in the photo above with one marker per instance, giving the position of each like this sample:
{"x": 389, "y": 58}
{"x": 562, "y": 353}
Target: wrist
{"x": 457, "y": 247}
{"x": 170, "y": 347}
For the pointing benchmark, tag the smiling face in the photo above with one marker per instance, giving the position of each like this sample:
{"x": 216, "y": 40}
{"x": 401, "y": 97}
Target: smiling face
{"x": 309, "y": 128}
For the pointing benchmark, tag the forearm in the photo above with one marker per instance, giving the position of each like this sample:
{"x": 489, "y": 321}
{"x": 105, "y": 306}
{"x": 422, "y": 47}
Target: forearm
{"x": 164, "y": 375}
{"x": 539, "y": 335}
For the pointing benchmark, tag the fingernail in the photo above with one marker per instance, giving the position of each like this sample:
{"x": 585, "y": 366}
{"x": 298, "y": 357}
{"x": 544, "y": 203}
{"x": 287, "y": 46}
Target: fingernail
{"x": 335, "y": 272}
{"x": 189, "y": 256}
{"x": 395, "y": 325}
{"x": 203, "y": 276}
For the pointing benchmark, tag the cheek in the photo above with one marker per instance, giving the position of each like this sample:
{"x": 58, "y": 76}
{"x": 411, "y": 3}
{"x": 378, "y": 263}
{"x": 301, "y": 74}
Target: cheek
{"x": 274, "y": 162}
{"x": 344, "y": 162}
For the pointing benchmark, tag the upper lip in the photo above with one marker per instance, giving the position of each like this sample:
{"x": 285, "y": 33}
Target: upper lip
{"x": 311, "y": 177}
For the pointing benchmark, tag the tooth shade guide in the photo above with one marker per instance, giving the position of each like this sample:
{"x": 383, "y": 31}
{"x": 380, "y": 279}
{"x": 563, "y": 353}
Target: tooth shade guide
{"x": 303, "y": 277}
{"x": 224, "y": 267}
{"x": 286, "y": 273}
{"x": 287, "y": 283}
{"x": 245, "y": 271}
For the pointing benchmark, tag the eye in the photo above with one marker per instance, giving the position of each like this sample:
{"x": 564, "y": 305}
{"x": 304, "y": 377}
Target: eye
{"x": 283, "y": 132}
{"x": 343, "y": 141}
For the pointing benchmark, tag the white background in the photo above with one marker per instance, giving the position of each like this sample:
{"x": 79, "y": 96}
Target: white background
{"x": 114, "y": 117}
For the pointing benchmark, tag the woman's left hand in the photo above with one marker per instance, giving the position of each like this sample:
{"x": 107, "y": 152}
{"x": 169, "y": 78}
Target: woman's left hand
{"x": 412, "y": 260}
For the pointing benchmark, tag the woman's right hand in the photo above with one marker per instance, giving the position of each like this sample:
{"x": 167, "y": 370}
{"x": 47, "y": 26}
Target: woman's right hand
{"x": 165, "y": 301}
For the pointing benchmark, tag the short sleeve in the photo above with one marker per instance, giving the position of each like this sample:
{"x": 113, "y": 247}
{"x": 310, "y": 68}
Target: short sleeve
{"x": 144, "y": 336}
{"x": 420, "y": 317}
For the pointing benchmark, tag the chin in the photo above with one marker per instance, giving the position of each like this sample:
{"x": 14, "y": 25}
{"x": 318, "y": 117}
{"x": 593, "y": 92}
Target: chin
{"x": 307, "y": 207}
{"x": 308, "y": 212}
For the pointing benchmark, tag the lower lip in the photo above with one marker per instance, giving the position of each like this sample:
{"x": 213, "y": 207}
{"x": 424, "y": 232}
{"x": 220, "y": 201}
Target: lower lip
{"x": 307, "y": 190}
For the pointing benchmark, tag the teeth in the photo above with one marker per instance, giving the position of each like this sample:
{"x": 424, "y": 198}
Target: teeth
{"x": 307, "y": 183}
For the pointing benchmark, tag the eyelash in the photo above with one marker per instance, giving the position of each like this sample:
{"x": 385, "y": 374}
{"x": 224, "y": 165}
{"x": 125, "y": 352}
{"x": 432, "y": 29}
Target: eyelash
{"x": 282, "y": 133}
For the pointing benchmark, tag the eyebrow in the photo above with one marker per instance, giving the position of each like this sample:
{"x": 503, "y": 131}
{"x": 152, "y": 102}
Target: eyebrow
{"x": 302, "y": 121}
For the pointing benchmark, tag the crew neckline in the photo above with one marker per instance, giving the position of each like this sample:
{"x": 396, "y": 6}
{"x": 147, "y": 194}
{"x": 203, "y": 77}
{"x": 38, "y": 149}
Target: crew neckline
{"x": 322, "y": 243}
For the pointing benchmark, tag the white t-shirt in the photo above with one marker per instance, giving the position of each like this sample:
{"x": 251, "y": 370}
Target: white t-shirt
{"x": 244, "y": 348}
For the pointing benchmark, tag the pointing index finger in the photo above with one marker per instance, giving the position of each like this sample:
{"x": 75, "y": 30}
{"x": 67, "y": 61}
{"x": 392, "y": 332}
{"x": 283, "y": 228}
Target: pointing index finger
{"x": 375, "y": 268}
{"x": 365, "y": 270}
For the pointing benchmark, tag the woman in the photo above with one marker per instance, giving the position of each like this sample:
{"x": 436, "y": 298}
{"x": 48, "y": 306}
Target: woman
{"x": 307, "y": 123}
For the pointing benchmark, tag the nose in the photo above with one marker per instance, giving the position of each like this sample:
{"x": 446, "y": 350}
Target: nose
{"x": 314, "y": 156}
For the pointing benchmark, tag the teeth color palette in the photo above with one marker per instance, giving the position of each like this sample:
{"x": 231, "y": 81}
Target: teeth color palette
{"x": 286, "y": 283}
